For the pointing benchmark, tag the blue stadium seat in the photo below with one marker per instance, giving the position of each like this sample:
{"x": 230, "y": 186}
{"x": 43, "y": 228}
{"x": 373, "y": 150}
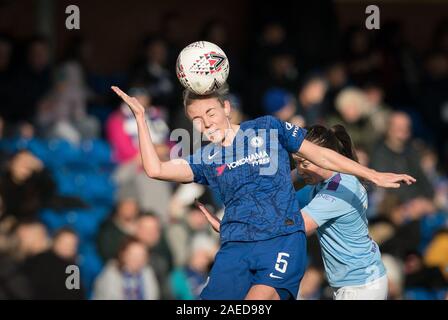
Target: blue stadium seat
{"x": 63, "y": 152}
{"x": 90, "y": 265}
{"x": 425, "y": 294}
{"x": 96, "y": 151}
{"x": 85, "y": 222}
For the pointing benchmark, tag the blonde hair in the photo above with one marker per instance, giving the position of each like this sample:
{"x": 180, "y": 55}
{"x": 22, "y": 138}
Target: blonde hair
{"x": 353, "y": 96}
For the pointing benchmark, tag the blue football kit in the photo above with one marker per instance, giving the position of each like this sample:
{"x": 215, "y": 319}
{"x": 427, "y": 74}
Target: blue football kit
{"x": 262, "y": 231}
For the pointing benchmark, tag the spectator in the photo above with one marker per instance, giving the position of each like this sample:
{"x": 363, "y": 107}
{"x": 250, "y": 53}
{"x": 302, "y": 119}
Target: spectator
{"x": 272, "y": 40}
{"x": 419, "y": 275}
{"x": 150, "y": 233}
{"x": 114, "y": 230}
{"x": 121, "y": 130}
{"x": 415, "y": 222}
{"x": 153, "y": 74}
{"x": 353, "y": 108}
{"x": 34, "y": 80}
{"x": 378, "y": 112}
{"x": 27, "y": 187}
{"x": 439, "y": 181}
{"x": 180, "y": 234}
{"x": 47, "y": 270}
{"x": 362, "y": 58}
{"x": 311, "y": 99}
{"x": 129, "y": 277}
{"x": 436, "y": 254}
{"x": 63, "y": 112}
{"x": 397, "y": 154}
{"x": 31, "y": 239}
{"x": 337, "y": 79}
{"x": 281, "y": 104}
{"x": 187, "y": 282}
{"x": 13, "y": 283}
{"x": 282, "y": 74}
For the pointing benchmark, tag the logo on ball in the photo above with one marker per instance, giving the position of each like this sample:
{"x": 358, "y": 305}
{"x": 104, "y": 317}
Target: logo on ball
{"x": 202, "y": 67}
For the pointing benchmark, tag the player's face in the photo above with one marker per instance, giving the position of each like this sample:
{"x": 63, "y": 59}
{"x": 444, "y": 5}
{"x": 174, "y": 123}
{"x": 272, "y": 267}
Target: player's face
{"x": 210, "y": 118}
{"x": 309, "y": 172}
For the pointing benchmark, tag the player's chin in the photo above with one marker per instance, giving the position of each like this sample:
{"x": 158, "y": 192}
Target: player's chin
{"x": 216, "y": 137}
{"x": 309, "y": 180}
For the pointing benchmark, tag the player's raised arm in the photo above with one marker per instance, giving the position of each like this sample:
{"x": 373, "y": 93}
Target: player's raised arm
{"x": 331, "y": 160}
{"x": 177, "y": 170}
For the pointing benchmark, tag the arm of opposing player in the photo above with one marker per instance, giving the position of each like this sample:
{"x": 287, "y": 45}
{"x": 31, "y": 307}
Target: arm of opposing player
{"x": 331, "y": 160}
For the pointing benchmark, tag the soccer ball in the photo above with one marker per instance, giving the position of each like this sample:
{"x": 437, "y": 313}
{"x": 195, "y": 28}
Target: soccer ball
{"x": 202, "y": 67}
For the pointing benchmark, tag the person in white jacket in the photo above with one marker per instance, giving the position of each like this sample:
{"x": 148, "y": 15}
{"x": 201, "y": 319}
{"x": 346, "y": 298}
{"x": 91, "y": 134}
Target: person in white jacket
{"x": 129, "y": 277}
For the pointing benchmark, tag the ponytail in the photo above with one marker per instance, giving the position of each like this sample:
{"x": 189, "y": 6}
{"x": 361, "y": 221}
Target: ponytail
{"x": 346, "y": 146}
{"x": 336, "y": 138}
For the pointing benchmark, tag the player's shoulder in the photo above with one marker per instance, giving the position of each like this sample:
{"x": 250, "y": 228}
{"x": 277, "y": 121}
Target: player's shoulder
{"x": 263, "y": 122}
{"x": 342, "y": 183}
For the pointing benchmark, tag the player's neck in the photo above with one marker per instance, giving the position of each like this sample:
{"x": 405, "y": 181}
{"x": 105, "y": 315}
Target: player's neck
{"x": 229, "y": 135}
{"x": 326, "y": 174}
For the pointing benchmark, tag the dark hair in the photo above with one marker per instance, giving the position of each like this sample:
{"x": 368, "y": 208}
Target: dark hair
{"x": 221, "y": 94}
{"x": 124, "y": 245}
{"x": 335, "y": 138}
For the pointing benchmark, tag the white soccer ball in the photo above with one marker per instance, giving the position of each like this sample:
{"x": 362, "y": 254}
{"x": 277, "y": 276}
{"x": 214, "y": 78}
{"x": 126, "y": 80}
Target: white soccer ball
{"x": 202, "y": 67}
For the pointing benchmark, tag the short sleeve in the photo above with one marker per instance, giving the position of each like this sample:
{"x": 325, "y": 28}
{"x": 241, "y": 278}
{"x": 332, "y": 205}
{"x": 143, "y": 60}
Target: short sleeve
{"x": 327, "y": 205}
{"x": 197, "y": 166}
{"x": 290, "y": 136}
{"x": 304, "y": 196}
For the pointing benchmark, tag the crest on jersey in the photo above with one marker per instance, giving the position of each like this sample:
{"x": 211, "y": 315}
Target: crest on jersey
{"x": 256, "y": 142}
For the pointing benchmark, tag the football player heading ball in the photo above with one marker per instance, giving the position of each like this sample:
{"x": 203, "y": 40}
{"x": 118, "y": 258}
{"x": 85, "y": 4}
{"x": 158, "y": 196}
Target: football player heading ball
{"x": 263, "y": 243}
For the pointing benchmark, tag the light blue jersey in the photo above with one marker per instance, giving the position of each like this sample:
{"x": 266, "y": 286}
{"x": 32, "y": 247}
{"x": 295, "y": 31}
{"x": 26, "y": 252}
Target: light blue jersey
{"x": 338, "y": 205}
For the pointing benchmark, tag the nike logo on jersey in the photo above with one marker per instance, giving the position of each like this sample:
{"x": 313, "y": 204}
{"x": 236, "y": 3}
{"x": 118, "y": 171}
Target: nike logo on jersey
{"x": 274, "y": 276}
{"x": 210, "y": 157}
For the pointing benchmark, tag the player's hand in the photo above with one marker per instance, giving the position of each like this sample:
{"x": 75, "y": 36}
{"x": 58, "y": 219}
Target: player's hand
{"x": 392, "y": 180}
{"x": 137, "y": 109}
{"x": 212, "y": 219}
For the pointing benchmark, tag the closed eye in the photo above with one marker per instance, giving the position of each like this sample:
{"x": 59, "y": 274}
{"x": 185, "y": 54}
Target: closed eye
{"x": 304, "y": 164}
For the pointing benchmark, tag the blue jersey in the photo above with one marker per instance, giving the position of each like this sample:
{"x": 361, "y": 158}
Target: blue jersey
{"x": 350, "y": 256}
{"x": 252, "y": 177}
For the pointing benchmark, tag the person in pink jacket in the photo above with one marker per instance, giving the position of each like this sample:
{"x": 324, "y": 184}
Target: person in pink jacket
{"x": 121, "y": 131}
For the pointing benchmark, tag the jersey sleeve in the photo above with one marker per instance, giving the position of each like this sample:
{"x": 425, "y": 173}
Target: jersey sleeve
{"x": 197, "y": 166}
{"x": 327, "y": 205}
{"x": 289, "y": 135}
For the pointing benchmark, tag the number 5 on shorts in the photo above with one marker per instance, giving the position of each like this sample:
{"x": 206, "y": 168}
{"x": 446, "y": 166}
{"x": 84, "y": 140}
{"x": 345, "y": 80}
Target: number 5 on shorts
{"x": 281, "y": 265}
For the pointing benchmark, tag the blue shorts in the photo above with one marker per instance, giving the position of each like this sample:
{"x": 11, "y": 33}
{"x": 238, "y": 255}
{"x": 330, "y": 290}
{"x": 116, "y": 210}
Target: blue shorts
{"x": 279, "y": 262}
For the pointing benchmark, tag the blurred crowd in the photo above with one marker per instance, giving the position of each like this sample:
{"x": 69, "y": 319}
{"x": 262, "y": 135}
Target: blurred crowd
{"x": 73, "y": 192}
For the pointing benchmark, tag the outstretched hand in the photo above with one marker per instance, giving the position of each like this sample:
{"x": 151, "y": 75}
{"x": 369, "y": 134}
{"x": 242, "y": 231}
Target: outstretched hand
{"x": 136, "y": 107}
{"x": 392, "y": 180}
